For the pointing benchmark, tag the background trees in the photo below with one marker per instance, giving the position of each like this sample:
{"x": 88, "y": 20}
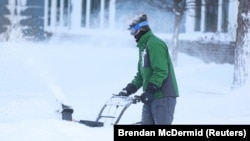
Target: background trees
{"x": 242, "y": 48}
{"x": 178, "y": 8}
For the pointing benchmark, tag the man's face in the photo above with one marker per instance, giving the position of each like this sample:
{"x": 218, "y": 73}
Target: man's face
{"x": 134, "y": 32}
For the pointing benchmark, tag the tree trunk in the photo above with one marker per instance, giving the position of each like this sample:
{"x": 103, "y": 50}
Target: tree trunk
{"x": 242, "y": 48}
{"x": 175, "y": 39}
{"x": 178, "y": 9}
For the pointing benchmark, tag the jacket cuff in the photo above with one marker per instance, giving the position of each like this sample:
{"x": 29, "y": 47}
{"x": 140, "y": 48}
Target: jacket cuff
{"x": 151, "y": 88}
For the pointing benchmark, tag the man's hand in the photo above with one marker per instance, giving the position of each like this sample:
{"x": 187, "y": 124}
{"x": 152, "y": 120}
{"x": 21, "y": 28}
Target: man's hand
{"x": 128, "y": 90}
{"x": 148, "y": 96}
{"x": 123, "y": 93}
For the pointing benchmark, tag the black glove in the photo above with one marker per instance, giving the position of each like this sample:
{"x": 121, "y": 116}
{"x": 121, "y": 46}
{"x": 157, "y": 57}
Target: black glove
{"x": 128, "y": 90}
{"x": 147, "y": 97}
{"x": 123, "y": 93}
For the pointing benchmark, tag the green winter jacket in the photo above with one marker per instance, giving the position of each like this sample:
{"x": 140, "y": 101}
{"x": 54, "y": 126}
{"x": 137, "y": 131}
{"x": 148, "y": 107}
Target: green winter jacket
{"x": 155, "y": 66}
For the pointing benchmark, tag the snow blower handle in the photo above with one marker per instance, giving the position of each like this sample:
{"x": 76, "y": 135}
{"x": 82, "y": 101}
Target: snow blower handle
{"x": 136, "y": 99}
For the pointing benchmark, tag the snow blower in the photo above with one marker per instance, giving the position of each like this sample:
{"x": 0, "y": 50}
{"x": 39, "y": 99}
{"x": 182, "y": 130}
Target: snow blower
{"x": 110, "y": 113}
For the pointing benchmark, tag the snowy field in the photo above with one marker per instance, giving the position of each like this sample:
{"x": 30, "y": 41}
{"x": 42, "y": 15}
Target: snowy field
{"x": 84, "y": 72}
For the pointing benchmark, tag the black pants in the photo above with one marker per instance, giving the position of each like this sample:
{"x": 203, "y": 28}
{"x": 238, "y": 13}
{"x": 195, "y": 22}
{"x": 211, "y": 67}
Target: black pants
{"x": 160, "y": 111}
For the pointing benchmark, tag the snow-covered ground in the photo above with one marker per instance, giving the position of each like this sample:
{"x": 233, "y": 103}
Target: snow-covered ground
{"x": 84, "y": 72}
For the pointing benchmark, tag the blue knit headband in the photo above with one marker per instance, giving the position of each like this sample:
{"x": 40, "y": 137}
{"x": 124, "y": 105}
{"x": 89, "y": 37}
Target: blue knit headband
{"x": 137, "y": 27}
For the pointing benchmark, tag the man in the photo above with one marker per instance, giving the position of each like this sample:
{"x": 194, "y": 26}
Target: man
{"x": 155, "y": 75}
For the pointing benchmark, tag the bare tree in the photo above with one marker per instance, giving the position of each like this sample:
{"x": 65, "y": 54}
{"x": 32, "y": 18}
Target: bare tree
{"x": 179, "y": 8}
{"x": 242, "y": 48}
